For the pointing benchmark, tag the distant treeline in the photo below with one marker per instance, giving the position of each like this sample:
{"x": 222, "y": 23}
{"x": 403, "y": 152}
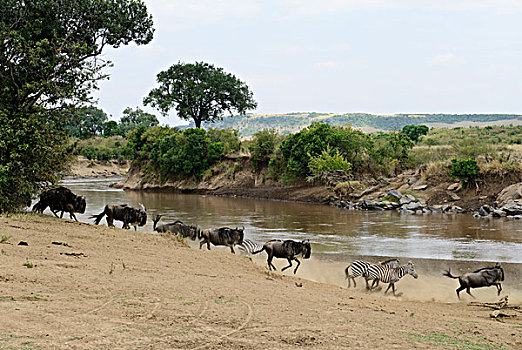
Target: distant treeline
{"x": 286, "y": 124}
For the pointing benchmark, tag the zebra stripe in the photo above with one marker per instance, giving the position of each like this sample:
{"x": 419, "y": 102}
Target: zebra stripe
{"x": 390, "y": 275}
{"x": 248, "y": 247}
{"x": 360, "y": 268}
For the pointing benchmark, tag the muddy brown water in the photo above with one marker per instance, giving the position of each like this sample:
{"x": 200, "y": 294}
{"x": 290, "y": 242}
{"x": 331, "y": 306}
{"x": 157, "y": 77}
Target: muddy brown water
{"x": 334, "y": 232}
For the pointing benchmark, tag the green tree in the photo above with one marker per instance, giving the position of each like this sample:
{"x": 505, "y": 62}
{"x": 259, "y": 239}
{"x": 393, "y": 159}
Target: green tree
{"x": 85, "y": 122}
{"x": 111, "y": 128}
{"x": 132, "y": 118}
{"x": 49, "y": 57}
{"x": 263, "y": 147}
{"x": 200, "y": 92}
{"x": 414, "y": 132}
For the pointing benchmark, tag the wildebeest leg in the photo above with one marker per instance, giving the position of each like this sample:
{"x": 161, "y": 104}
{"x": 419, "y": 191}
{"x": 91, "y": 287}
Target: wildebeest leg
{"x": 61, "y": 215}
{"x": 458, "y": 290}
{"x": 269, "y": 261}
{"x": 298, "y": 263}
{"x": 71, "y": 214}
{"x": 54, "y": 212}
{"x": 201, "y": 243}
{"x": 289, "y": 262}
{"x": 468, "y": 290}
{"x": 232, "y": 249}
{"x": 499, "y": 288}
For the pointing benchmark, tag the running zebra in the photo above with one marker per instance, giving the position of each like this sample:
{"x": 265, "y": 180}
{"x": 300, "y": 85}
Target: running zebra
{"x": 360, "y": 268}
{"x": 248, "y": 247}
{"x": 390, "y": 275}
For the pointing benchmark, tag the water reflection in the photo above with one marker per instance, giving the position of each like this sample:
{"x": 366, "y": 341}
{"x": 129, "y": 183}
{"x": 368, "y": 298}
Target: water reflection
{"x": 333, "y": 231}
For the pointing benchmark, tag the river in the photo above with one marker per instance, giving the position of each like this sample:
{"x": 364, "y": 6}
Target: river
{"x": 334, "y": 232}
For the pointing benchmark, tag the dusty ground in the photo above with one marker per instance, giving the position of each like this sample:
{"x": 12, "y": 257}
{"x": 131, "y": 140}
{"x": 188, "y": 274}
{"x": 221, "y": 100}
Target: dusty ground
{"x": 78, "y": 286}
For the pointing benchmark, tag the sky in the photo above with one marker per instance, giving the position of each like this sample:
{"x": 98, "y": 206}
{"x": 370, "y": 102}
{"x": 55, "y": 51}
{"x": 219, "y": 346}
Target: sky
{"x": 335, "y": 56}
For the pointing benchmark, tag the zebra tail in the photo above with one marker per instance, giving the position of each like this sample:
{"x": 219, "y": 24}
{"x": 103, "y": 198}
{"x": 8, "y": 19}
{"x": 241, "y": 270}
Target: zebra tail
{"x": 98, "y": 217}
{"x": 447, "y": 273}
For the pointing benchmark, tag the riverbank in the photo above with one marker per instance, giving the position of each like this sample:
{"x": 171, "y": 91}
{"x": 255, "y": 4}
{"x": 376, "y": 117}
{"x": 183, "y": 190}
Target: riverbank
{"x": 76, "y": 285}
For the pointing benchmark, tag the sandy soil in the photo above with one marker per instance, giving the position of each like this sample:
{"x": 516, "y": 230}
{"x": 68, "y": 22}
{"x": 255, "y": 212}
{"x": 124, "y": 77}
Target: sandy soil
{"x": 84, "y": 168}
{"x": 79, "y": 286}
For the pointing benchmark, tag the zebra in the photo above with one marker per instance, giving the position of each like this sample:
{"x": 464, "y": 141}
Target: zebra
{"x": 390, "y": 275}
{"x": 360, "y": 268}
{"x": 248, "y": 247}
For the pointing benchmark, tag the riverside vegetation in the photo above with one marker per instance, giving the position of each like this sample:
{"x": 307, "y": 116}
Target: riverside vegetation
{"x": 346, "y": 162}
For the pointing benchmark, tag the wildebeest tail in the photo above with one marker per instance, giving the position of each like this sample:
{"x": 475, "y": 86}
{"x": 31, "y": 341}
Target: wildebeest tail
{"x": 258, "y": 251}
{"x": 346, "y": 273}
{"x": 447, "y": 273}
{"x": 98, "y": 217}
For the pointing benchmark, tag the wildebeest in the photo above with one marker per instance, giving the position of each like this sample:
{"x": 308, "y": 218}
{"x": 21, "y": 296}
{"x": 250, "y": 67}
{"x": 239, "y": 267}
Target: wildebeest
{"x": 484, "y": 277}
{"x": 360, "y": 268}
{"x": 122, "y": 212}
{"x": 221, "y": 236}
{"x": 176, "y": 227}
{"x": 288, "y": 249}
{"x": 60, "y": 199}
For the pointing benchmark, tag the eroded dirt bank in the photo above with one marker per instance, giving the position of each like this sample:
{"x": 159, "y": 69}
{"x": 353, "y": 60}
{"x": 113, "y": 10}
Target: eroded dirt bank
{"x": 81, "y": 286}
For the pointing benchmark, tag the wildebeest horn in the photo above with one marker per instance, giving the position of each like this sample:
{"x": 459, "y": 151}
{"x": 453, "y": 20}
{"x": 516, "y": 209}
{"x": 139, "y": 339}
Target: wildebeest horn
{"x": 142, "y": 206}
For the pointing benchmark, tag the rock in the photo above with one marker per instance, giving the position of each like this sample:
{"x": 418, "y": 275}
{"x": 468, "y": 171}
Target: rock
{"x": 510, "y": 193}
{"x": 498, "y": 213}
{"x": 413, "y": 206}
{"x": 453, "y": 196}
{"x": 407, "y": 199}
{"x": 420, "y": 187}
{"x": 412, "y": 180}
{"x": 512, "y": 207}
{"x": 395, "y": 194}
{"x": 485, "y": 210}
{"x": 455, "y": 187}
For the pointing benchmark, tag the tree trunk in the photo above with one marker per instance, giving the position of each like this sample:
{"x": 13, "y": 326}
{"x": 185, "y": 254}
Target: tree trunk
{"x": 197, "y": 122}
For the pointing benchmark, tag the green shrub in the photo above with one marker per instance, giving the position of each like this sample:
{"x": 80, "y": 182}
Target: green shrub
{"x": 262, "y": 147}
{"x": 328, "y": 160}
{"x": 466, "y": 170}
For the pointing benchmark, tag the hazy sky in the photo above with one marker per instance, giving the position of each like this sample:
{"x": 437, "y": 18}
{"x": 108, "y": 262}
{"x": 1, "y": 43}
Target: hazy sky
{"x": 374, "y": 56}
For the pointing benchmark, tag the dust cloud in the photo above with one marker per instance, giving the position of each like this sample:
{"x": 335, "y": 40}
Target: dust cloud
{"x": 429, "y": 286}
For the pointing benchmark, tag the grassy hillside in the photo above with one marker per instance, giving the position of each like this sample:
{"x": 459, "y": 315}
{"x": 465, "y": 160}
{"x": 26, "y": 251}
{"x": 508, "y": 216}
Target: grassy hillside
{"x": 293, "y": 122}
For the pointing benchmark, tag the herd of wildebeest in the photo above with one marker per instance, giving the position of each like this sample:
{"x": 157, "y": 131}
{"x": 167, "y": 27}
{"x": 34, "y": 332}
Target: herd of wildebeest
{"x": 61, "y": 199}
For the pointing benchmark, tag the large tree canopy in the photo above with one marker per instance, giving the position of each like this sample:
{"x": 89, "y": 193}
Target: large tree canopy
{"x": 200, "y": 92}
{"x": 133, "y": 118}
{"x": 49, "y": 58}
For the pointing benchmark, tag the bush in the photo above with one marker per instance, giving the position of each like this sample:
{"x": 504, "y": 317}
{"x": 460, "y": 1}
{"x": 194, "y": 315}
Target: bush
{"x": 328, "y": 160}
{"x": 466, "y": 170}
{"x": 262, "y": 148}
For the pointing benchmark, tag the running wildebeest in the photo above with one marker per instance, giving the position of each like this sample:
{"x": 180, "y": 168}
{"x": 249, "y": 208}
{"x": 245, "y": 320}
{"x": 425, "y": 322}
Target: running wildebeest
{"x": 60, "y": 199}
{"x": 484, "y": 277}
{"x": 360, "y": 268}
{"x": 122, "y": 212}
{"x": 288, "y": 249}
{"x": 176, "y": 227}
{"x": 221, "y": 236}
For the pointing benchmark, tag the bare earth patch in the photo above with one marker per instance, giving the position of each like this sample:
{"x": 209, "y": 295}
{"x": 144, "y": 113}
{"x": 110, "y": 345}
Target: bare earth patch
{"x": 78, "y": 286}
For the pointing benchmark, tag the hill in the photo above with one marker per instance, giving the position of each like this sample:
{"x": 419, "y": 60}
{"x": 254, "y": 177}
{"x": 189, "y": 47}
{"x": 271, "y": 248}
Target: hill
{"x": 292, "y": 122}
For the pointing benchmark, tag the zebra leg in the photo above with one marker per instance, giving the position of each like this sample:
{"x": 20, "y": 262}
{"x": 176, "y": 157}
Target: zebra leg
{"x": 290, "y": 264}
{"x": 298, "y": 263}
{"x": 375, "y": 283}
{"x": 392, "y": 285}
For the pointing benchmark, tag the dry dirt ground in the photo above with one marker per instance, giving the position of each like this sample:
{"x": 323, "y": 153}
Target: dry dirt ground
{"x": 79, "y": 286}
{"x": 84, "y": 168}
